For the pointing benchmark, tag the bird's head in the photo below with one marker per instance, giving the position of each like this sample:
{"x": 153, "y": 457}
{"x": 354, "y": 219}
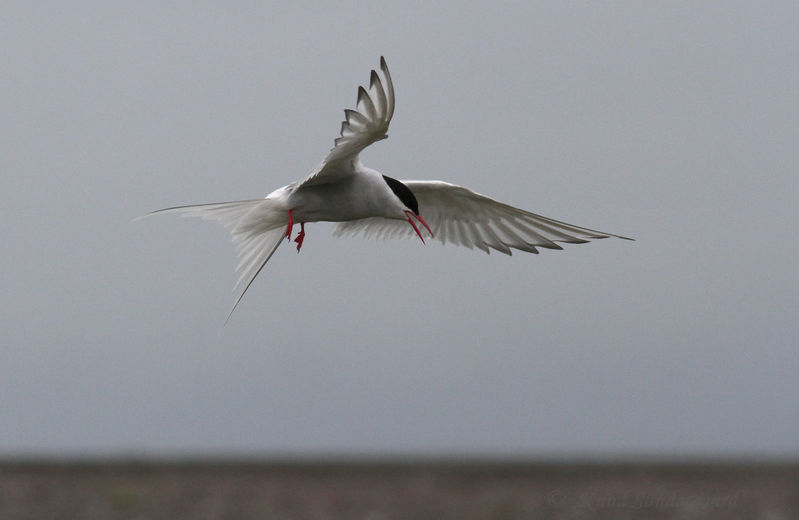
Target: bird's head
{"x": 406, "y": 196}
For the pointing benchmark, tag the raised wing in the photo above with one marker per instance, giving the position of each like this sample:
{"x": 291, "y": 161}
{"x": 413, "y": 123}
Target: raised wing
{"x": 460, "y": 216}
{"x": 363, "y": 126}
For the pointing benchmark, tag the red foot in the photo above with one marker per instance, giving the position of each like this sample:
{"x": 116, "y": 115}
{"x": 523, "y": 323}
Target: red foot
{"x": 300, "y": 236}
{"x": 291, "y": 225}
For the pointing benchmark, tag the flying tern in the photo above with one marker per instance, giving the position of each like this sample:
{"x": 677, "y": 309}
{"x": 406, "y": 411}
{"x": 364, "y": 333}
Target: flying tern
{"x": 365, "y": 202}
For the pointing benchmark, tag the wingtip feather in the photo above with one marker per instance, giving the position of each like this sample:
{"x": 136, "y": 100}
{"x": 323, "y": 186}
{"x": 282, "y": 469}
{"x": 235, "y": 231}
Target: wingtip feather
{"x": 368, "y": 105}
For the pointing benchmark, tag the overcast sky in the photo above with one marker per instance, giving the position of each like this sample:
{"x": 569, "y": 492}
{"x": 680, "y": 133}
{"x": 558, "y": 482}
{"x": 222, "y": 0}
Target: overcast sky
{"x": 674, "y": 123}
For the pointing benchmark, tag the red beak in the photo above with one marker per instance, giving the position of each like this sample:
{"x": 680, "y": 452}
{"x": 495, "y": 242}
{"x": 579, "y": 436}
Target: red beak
{"x": 410, "y": 214}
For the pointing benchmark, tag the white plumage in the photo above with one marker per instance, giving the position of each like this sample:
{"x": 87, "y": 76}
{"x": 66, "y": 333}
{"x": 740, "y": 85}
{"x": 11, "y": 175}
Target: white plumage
{"x": 365, "y": 202}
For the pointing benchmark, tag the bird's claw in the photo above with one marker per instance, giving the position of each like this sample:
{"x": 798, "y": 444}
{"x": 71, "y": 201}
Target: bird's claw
{"x": 300, "y": 236}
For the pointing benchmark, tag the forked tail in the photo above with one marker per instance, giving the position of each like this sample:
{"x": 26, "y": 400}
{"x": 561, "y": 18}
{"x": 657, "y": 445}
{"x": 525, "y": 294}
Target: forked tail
{"x": 257, "y": 227}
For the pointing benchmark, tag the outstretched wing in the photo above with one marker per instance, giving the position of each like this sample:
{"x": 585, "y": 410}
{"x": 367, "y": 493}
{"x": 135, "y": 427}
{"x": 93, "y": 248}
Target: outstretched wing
{"x": 363, "y": 126}
{"x": 460, "y": 216}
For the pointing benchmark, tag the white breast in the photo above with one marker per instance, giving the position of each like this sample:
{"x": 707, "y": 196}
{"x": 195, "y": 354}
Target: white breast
{"x": 356, "y": 197}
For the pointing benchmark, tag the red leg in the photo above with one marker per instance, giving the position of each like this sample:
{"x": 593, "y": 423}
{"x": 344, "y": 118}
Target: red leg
{"x": 291, "y": 225}
{"x": 300, "y": 236}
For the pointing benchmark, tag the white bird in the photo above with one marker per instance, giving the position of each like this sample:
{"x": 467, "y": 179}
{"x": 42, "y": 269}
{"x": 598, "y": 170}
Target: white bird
{"x": 364, "y": 201}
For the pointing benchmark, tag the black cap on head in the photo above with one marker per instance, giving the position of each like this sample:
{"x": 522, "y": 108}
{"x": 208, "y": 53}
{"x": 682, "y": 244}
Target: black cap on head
{"x": 403, "y": 193}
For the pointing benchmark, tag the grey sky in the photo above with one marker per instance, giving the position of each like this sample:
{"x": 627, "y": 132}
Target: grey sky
{"x": 674, "y": 123}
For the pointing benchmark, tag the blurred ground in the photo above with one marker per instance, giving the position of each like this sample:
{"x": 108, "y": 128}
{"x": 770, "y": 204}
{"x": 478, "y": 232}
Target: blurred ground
{"x": 438, "y": 490}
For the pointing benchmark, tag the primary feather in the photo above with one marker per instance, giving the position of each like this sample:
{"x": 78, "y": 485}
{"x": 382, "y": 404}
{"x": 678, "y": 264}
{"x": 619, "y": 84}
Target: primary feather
{"x": 460, "y": 216}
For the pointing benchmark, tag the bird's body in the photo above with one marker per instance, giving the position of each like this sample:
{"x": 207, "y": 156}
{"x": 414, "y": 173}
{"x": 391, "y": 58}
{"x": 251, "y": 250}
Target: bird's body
{"x": 334, "y": 202}
{"x": 364, "y": 201}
